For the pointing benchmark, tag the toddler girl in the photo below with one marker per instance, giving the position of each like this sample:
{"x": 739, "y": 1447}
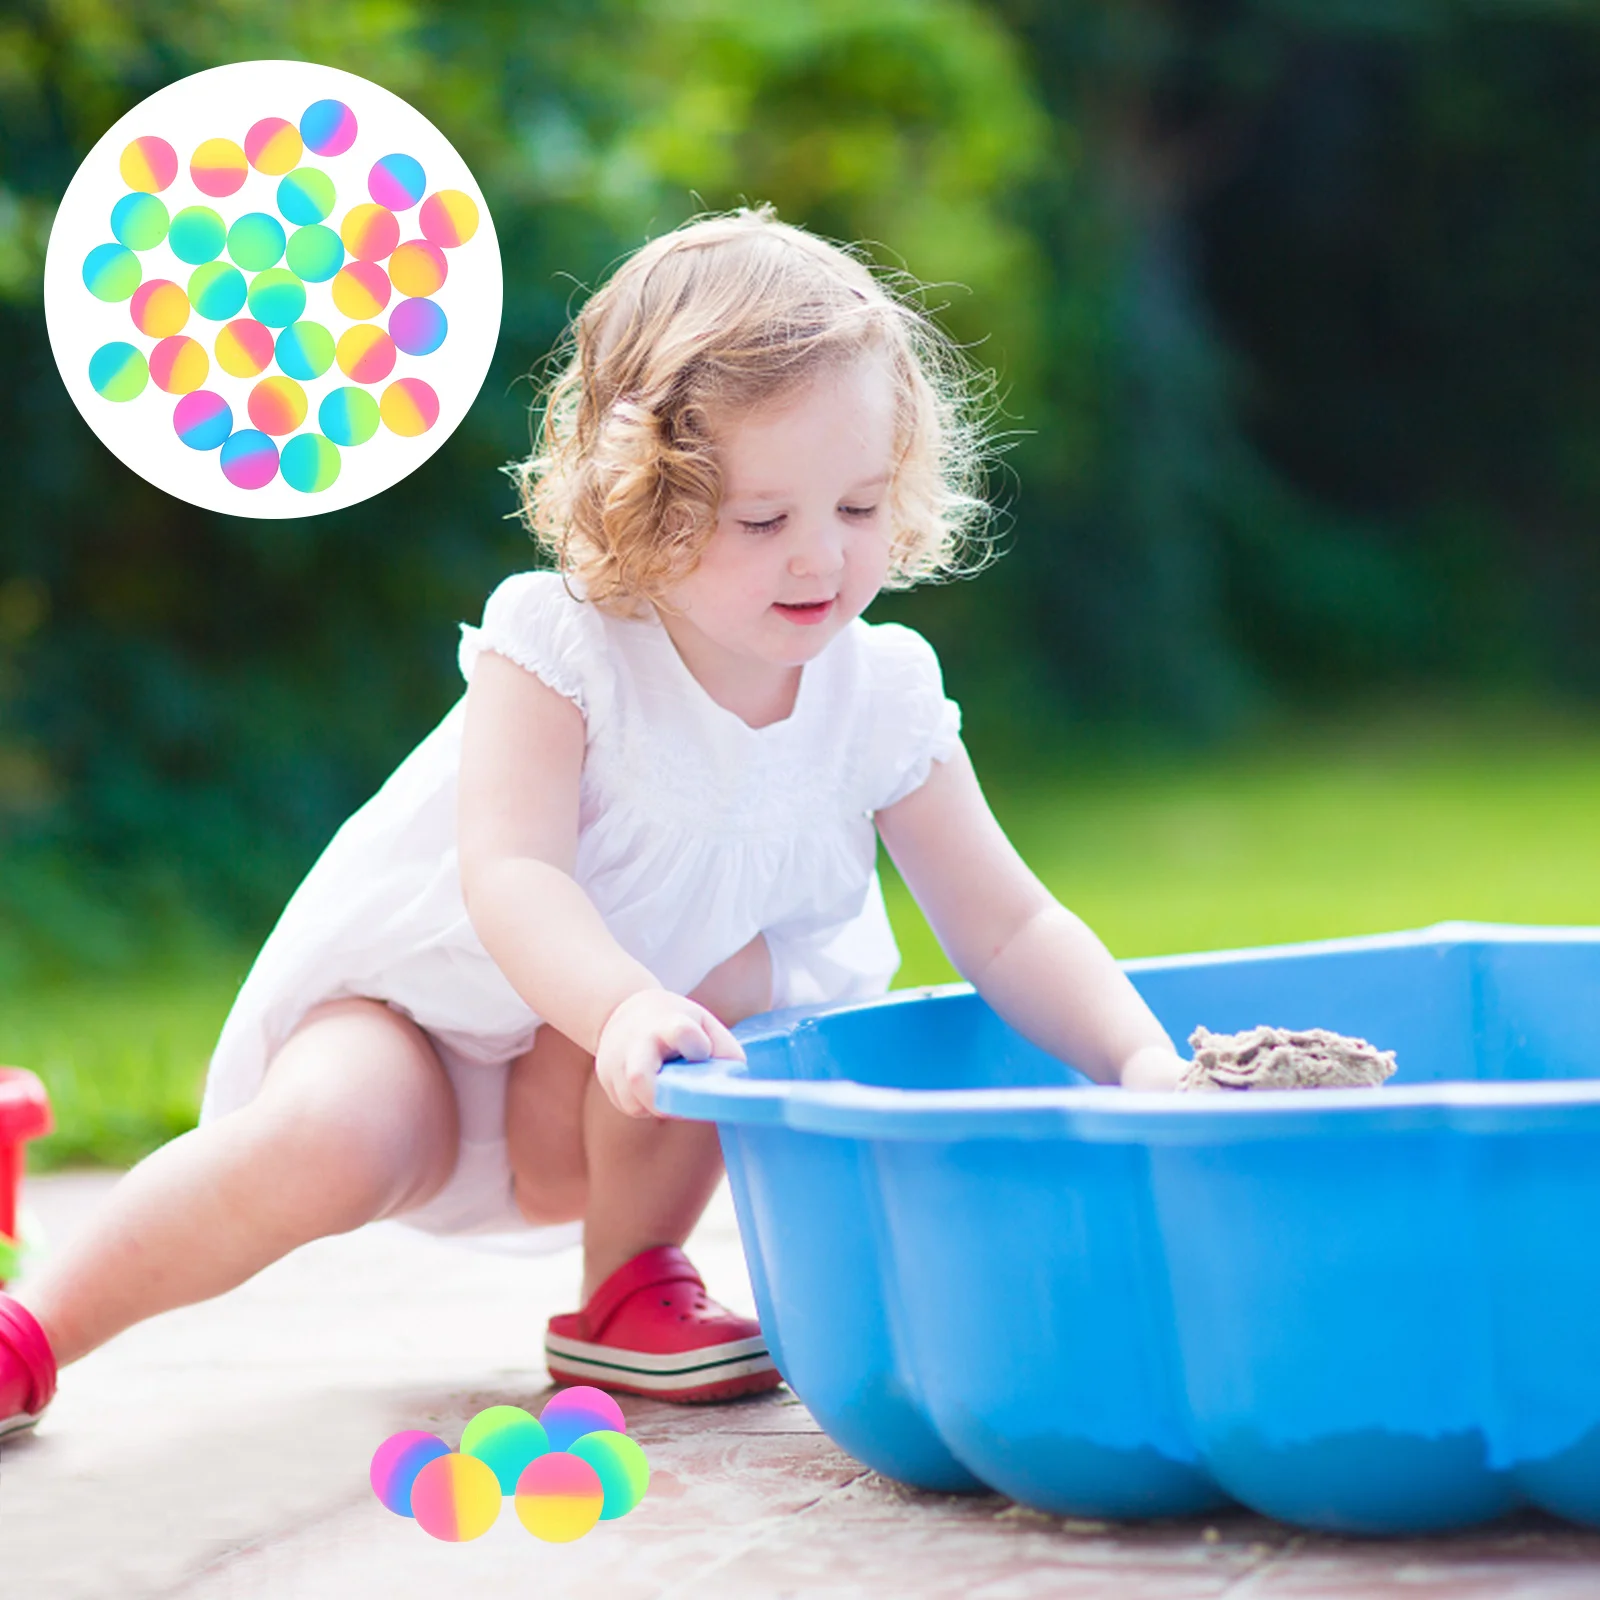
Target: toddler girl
{"x": 653, "y": 814}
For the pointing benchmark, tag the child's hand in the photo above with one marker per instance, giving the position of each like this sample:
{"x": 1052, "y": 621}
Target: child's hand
{"x": 648, "y": 1028}
{"x": 1154, "y": 1067}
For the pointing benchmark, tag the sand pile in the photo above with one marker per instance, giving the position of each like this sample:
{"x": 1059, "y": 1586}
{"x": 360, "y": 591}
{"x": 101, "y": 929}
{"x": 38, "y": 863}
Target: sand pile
{"x": 1277, "y": 1058}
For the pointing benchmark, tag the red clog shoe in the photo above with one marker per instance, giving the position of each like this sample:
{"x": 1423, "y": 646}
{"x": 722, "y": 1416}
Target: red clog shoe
{"x": 27, "y": 1368}
{"x": 651, "y": 1329}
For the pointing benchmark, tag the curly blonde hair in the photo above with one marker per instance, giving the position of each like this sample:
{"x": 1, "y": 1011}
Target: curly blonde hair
{"x": 722, "y": 315}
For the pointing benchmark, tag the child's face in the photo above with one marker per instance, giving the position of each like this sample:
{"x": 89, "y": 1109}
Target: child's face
{"x": 802, "y": 538}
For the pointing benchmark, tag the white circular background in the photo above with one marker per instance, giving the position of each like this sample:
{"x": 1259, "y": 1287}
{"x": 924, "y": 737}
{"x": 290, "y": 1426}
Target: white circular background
{"x": 225, "y": 102}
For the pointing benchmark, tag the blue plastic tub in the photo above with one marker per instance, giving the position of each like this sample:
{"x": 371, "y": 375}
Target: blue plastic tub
{"x": 1373, "y": 1311}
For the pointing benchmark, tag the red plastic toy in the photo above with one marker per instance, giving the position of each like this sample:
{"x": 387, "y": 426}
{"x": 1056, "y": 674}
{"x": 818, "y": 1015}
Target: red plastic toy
{"x": 24, "y": 1115}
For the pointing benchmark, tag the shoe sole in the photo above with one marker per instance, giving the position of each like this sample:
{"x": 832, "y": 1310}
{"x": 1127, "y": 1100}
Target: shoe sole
{"x": 715, "y": 1372}
{"x": 19, "y": 1423}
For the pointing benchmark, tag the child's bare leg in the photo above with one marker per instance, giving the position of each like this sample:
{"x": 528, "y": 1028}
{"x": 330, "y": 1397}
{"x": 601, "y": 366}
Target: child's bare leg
{"x": 356, "y": 1120}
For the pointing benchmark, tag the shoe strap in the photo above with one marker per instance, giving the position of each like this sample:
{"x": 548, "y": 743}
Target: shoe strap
{"x": 666, "y": 1263}
{"x": 20, "y": 1333}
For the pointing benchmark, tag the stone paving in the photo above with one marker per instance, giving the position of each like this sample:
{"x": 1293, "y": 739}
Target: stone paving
{"x": 222, "y": 1450}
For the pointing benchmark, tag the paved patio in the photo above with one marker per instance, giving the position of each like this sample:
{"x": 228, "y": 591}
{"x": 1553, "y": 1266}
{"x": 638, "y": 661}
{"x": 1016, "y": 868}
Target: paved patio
{"x": 222, "y": 1450}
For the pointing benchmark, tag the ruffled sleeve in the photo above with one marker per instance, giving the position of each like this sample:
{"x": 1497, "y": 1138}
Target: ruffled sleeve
{"x": 531, "y": 619}
{"x": 917, "y": 724}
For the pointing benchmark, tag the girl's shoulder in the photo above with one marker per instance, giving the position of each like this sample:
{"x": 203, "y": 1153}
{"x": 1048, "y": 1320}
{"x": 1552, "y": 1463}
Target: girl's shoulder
{"x": 539, "y": 621}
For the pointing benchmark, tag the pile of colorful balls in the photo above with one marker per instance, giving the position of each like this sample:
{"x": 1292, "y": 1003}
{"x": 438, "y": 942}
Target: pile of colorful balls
{"x": 569, "y": 1468}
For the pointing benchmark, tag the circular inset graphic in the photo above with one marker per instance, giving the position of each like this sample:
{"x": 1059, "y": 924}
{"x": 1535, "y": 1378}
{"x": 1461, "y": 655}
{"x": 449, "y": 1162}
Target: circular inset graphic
{"x": 571, "y": 1413}
{"x": 202, "y": 420}
{"x": 273, "y": 146}
{"x": 309, "y": 463}
{"x": 159, "y": 308}
{"x": 506, "y": 1439}
{"x": 182, "y": 153}
{"x": 179, "y": 364}
{"x": 448, "y": 218}
{"x": 256, "y": 241}
{"x": 397, "y": 1461}
{"x": 148, "y": 164}
{"x": 369, "y": 232}
{"x": 347, "y": 416}
{"x": 328, "y": 127}
{"x": 139, "y": 221}
{"x": 219, "y": 168}
{"x": 455, "y": 1497}
{"x": 315, "y": 253}
{"x": 305, "y": 350}
{"x": 365, "y": 353}
{"x": 418, "y": 268}
{"x": 111, "y": 272}
{"x": 621, "y": 1467}
{"x": 361, "y": 290}
{"x": 119, "y": 372}
{"x": 559, "y": 1497}
{"x": 217, "y": 291}
{"x": 409, "y": 407}
{"x": 277, "y": 406}
{"x": 418, "y": 327}
{"x": 277, "y": 297}
{"x": 197, "y": 234}
{"x": 249, "y": 459}
{"x": 306, "y": 196}
{"x": 397, "y": 182}
{"x": 244, "y": 348}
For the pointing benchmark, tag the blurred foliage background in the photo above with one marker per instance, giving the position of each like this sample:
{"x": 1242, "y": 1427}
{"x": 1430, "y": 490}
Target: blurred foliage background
{"x": 1293, "y": 311}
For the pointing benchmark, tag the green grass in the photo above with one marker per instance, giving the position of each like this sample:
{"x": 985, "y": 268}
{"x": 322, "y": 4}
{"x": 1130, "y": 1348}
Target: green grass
{"x": 1329, "y": 830}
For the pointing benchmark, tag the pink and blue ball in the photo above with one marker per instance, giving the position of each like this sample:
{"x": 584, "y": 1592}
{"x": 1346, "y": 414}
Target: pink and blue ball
{"x": 203, "y": 420}
{"x": 397, "y": 182}
{"x": 306, "y": 196}
{"x": 277, "y": 297}
{"x": 397, "y": 1461}
{"x": 139, "y": 221}
{"x": 111, "y": 272}
{"x": 455, "y": 1497}
{"x": 197, "y": 234}
{"x": 217, "y": 291}
{"x": 348, "y": 416}
{"x": 571, "y": 1413}
{"x": 506, "y": 1438}
{"x": 559, "y": 1497}
{"x": 256, "y": 241}
{"x": 620, "y": 1465}
{"x": 418, "y": 327}
{"x": 250, "y": 461}
{"x": 119, "y": 372}
{"x": 328, "y": 127}
{"x": 309, "y": 463}
{"x": 315, "y": 253}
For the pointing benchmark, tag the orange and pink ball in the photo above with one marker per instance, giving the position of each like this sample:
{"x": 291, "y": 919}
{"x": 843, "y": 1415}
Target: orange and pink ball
{"x": 455, "y": 1497}
{"x": 277, "y": 405}
{"x": 559, "y": 1497}
{"x": 179, "y": 364}
{"x": 149, "y": 165}
{"x": 159, "y": 308}
{"x": 361, "y": 290}
{"x": 365, "y": 354}
{"x": 244, "y": 348}
{"x": 218, "y": 168}
{"x": 369, "y": 232}
{"x": 418, "y": 268}
{"x": 448, "y": 218}
{"x": 273, "y": 146}
{"x": 409, "y": 407}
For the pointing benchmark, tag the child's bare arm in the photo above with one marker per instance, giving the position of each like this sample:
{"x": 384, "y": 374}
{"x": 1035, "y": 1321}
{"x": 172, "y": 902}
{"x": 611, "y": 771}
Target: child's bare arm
{"x": 1037, "y": 964}
{"x": 517, "y": 827}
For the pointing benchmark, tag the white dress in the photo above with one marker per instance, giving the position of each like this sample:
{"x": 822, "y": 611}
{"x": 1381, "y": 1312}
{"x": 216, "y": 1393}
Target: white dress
{"x": 696, "y": 832}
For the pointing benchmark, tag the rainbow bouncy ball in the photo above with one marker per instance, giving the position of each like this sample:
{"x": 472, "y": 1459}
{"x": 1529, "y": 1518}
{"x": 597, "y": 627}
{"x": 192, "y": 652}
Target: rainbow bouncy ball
{"x": 277, "y": 297}
{"x": 571, "y": 1413}
{"x": 506, "y": 1439}
{"x": 361, "y": 290}
{"x": 448, "y": 218}
{"x": 455, "y": 1497}
{"x": 328, "y": 127}
{"x": 315, "y": 253}
{"x": 159, "y": 308}
{"x": 219, "y": 168}
{"x": 397, "y": 182}
{"x": 620, "y": 1465}
{"x": 148, "y": 165}
{"x": 409, "y": 407}
{"x": 139, "y": 221}
{"x": 309, "y": 463}
{"x": 179, "y": 364}
{"x": 277, "y": 405}
{"x": 119, "y": 372}
{"x": 250, "y": 461}
{"x": 217, "y": 291}
{"x": 396, "y": 1463}
{"x": 203, "y": 420}
{"x": 273, "y": 146}
{"x": 197, "y": 234}
{"x": 559, "y": 1497}
{"x": 306, "y": 196}
{"x": 348, "y": 416}
{"x": 417, "y": 267}
{"x": 244, "y": 348}
{"x": 305, "y": 350}
{"x": 418, "y": 327}
{"x": 365, "y": 353}
{"x": 111, "y": 272}
{"x": 369, "y": 232}
{"x": 256, "y": 241}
